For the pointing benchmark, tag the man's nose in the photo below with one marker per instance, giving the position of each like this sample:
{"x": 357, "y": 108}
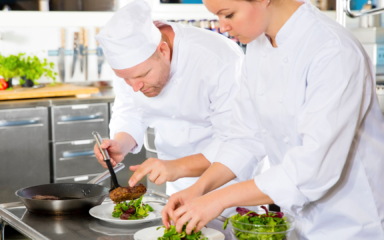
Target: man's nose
{"x": 137, "y": 85}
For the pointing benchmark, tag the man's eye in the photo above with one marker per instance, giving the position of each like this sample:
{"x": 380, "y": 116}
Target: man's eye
{"x": 229, "y": 16}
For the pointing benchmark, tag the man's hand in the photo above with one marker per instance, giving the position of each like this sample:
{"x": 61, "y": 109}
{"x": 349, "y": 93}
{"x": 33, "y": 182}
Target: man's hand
{"x": 159, "y": 171}
{"x": 177, "y": 200}
{"x": 115, "y": 151}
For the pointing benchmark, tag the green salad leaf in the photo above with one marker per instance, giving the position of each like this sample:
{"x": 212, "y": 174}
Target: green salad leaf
{"x": 258, "y": 227}
{"x": 172, "y": 234}
{"x": 135, "y": 209}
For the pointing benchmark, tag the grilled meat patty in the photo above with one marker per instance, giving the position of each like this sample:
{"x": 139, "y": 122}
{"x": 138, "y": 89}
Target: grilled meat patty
{"x": 45, "y": 197}
{"x": 127, "y": 193}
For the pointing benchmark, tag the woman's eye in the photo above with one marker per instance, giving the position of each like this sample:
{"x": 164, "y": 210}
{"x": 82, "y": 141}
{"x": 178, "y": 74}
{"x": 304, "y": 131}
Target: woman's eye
{"x": 229, "y": 16}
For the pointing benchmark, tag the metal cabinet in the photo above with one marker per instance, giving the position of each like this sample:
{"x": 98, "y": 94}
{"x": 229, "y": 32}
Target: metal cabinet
{"x": 72, "y": 143}
{"x": 76, "y": 122}
{"x": 75, "y": 158}
{"x": 24, "y": 150}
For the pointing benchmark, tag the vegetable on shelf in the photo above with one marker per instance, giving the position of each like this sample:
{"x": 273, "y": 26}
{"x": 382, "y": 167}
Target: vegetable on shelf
{"x": 248, "y": 224}
{"x": 3, "y": 84}
{"x": 172, "y": 234}
{"x": 133, "y": 210}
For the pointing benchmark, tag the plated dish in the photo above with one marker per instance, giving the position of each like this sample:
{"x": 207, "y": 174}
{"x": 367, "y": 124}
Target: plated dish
{"x": 104, "y": 212}
{"x": 152, "y": 233}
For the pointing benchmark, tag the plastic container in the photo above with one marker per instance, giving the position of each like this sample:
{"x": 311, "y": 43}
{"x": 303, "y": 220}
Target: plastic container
{"x": 243, "y": 231}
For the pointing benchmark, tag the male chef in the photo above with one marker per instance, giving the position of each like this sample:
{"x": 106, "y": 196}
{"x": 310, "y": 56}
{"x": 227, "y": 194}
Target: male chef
{"x": 177, "y": 79}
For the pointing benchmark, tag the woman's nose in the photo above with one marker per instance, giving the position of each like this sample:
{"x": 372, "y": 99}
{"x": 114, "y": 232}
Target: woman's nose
{"x": 224, "y": 26}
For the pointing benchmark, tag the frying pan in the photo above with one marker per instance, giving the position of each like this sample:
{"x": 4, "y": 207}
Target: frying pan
{"x": 74, "y": 197}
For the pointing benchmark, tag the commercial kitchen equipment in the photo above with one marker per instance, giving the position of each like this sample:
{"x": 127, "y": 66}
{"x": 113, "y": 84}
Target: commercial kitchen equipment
{"x": 71, "y": 140}
{"x": 371, "y": 37}
{"x": 24, "y": 149}
{"x": 74, "y": 198}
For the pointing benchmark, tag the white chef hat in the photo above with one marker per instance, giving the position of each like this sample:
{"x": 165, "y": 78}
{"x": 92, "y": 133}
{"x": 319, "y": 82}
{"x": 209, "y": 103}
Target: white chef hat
{"x": 130, "y": 37}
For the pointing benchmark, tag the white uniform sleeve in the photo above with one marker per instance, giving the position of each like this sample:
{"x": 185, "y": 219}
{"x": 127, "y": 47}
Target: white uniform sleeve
{"x": 327, "y": 123}
{"x": 242, "y": 146}
{"x": 125, "y": 116}
{"x": 222, "y": 90}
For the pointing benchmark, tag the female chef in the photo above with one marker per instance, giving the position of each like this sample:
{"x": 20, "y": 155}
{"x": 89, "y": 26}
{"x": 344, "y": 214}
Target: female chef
{"x": 307, "y": 101}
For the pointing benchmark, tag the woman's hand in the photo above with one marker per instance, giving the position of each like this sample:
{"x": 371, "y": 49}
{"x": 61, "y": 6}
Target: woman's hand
{"x": 198, "y": 212}
{"x": 177, "y": 200}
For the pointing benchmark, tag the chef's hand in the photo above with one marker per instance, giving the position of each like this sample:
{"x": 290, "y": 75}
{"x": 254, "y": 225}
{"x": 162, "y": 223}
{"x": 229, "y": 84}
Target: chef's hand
{"x": 159, "y": 171}
{"x": 178, "y": 200}
{"x": 115, "y": 151}
{"x": 198, "y": 212}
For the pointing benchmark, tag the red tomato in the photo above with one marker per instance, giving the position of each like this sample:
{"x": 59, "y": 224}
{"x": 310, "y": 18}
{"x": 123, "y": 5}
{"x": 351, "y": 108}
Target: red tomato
{"x": 3, "y": 84}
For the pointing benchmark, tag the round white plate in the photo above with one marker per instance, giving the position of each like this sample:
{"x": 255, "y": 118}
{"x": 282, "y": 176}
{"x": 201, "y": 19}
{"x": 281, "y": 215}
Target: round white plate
{"x": 104, "y": 212}
{"x": 152, "y": 234}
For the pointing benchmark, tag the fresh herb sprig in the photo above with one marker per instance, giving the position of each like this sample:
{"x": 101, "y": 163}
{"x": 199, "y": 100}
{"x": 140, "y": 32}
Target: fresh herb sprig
{"x": 250, "y": 221}
{"x": 172, "y": 234}
{"x": 133, "y": 210}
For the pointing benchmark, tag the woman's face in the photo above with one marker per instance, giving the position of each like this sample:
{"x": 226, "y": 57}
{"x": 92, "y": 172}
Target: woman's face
{"x": 242, "y": 19}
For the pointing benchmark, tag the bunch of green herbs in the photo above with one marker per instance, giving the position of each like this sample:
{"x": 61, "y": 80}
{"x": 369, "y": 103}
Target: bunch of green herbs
{"x": 252, "y": 226}
{"x": 172, "y": 234}
{"x": 135, "y": 209}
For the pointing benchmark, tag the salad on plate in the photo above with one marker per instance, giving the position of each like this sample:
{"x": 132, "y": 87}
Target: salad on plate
{"x": 132, "y": 210}
{"x": 172, "y": 234}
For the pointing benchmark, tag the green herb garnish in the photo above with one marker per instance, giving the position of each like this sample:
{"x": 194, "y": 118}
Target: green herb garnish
{"x": 135, "y": 209}
{"x": 172, "y": 234}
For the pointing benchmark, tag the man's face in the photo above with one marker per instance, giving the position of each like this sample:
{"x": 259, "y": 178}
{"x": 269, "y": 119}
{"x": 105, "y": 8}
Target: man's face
{"x": 149, "y": 77}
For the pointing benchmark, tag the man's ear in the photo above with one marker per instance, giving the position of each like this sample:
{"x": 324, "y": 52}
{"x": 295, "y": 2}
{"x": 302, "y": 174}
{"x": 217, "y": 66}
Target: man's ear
{"x": 164, "y": 49}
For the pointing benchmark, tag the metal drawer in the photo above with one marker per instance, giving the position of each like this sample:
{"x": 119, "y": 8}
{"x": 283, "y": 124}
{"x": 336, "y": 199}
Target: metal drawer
{"x": 78, "y": 121}
{"x": 24, "y": 150}
{"x": 75, "y": 158}
{"x": 83, "y": 179}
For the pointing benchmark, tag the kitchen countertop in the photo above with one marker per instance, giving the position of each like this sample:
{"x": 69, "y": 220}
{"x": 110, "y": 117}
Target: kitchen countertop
{"x": 75, "y": 227}
{"x": 106, "y": 94}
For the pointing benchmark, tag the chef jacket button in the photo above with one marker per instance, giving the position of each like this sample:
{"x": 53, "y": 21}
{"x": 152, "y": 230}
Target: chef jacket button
{"x": 264, "y": 131}
{"x": 182, "y": 129}
{"x": 285, "y": 60}
{"x": 264, "y": 55}
{"x": 175, "y": 82}
{"x": 261, "y": 93}
{"x": 286, "y": 140}
{"x": 280, "y": 100}
{"x": 173, "y": 116}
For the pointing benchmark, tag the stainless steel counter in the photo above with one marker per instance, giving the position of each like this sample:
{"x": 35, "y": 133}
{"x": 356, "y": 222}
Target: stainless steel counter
{"x": 75, "y": 227}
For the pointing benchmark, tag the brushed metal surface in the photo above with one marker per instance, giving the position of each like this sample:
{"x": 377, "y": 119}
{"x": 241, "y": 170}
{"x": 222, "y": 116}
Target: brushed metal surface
{"x": 74, "y": 158}
{"x": 79, "y": 129}
{"x": 24, "y": 151}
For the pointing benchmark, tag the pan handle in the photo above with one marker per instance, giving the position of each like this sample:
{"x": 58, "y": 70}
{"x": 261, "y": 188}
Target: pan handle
{"x": 99, "y": 178}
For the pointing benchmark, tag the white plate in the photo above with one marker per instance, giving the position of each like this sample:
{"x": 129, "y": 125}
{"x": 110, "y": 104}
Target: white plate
{"x": 152, "y": 234}
{"x": 104, "y": 212}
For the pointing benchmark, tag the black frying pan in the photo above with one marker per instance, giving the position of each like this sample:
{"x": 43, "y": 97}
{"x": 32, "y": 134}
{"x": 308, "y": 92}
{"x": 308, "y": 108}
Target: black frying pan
{"x": 74, "y": 197}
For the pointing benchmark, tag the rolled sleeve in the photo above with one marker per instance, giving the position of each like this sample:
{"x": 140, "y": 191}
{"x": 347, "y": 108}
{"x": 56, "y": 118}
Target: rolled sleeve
{"x": 211, "y": 150}
{"x": 286, "y": 195}
{"x": 125, "y": 117}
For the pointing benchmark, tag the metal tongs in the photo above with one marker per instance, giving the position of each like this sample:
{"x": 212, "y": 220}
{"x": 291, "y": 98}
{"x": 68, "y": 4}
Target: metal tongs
{"x": 107, "y": 160}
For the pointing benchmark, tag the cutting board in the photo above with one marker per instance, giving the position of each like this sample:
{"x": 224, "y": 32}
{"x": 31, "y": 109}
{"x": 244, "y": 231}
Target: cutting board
{"x": 58, "y": 90}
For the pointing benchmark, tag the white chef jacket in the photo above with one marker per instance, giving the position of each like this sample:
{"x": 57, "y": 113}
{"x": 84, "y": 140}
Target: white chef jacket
{"x": 310, "y": 104}
{"x": 193, "y": 107}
